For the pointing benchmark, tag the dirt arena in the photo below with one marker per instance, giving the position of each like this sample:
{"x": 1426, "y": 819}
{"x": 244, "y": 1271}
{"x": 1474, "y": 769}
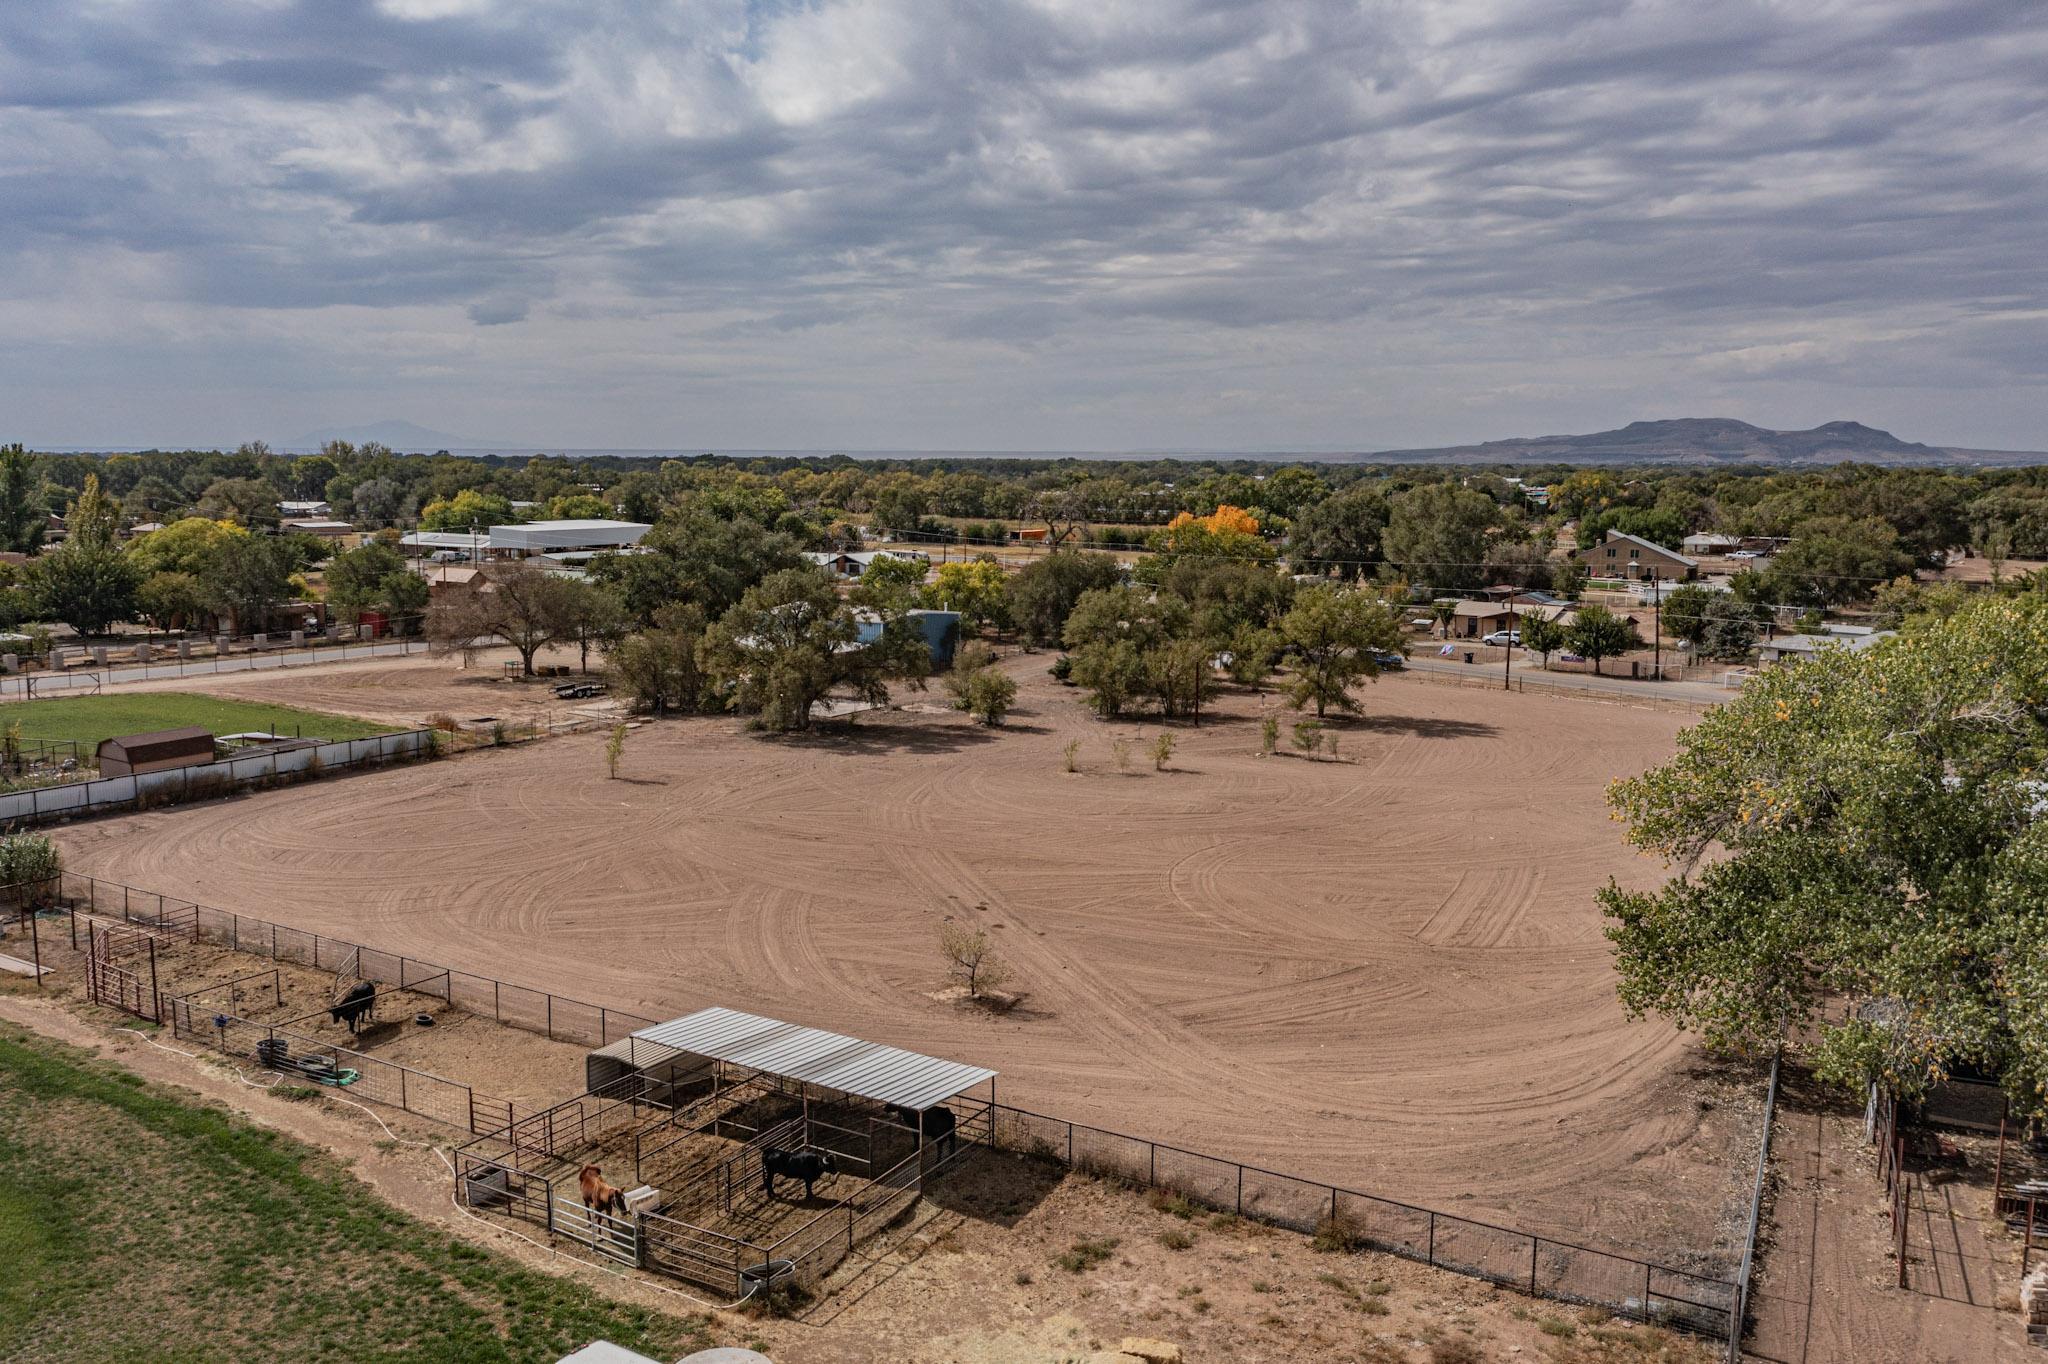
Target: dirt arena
{"x": 1384, "y": 971}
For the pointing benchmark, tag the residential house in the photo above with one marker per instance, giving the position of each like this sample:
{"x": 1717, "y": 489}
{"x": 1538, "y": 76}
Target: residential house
{"x": 1622, "y": 555}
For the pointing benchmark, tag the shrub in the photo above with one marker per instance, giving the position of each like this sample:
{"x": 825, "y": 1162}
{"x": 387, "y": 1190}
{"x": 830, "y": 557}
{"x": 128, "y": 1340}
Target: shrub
{"x": 1162, "y": 752}
{"x": 28, "y": 857}
{"x": 1337, "y": 1233}
{"x": 1067, "y": 755}
{"x": 1456, "y": 1350}
{"x": 1083, "y": 1256}
{"x": 1176, "y": 1238}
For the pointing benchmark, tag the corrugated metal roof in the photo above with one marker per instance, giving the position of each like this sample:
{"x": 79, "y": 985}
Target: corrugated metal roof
{"x": 869, "y": 1070}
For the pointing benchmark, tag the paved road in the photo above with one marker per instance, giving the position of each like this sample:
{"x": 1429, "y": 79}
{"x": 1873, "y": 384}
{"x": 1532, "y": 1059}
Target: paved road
{"x": 1529, "y": 677}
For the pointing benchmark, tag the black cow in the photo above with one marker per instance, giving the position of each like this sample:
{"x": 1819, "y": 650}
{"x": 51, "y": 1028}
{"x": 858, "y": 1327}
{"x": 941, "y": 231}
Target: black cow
{"x": 358, "y": 1004}
{"x": 809, "y": 1166}
{"x": 936, "y": 1123}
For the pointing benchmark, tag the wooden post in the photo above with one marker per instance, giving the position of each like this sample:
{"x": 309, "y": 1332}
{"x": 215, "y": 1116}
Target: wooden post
{"x": 1998, "y": 1174}
{"x": 1735, "y": 1328}
{"x": 1534, "y": 1241}
{"x": 35, "y": 942}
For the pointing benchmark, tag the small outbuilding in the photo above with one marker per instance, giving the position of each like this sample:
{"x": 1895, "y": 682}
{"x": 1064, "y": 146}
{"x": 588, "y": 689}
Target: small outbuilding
{"x": 155, "y": 751}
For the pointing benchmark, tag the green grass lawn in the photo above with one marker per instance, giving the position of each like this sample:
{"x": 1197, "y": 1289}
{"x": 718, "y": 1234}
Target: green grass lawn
{"x": 89, "y": 719}
{"x": 136, "y": 1225}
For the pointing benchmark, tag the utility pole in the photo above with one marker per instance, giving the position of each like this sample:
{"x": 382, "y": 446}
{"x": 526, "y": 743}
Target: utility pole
{"x": 1507, "y": 662}
{"x": 1657, "y": 630}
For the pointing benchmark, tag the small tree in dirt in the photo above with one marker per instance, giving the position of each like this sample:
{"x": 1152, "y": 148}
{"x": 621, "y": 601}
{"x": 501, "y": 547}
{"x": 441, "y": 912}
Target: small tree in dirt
{"x": 1120, "y": 749}
{"x": 1162, "y": 752}
{"x": 1337, "y": 636}
{"x": 615, "y": 749}
{"x": 978, "y": 687}
{"x": 1068, "y": 753}
{"x": 1542, "y": 635}
{"x": 1308, "y": 736}
{"x": 1269, "y": 735}
{"x": 1330, "y": 742}
{"x": 1444, "y": 612}
{"x": 972, "y": 959}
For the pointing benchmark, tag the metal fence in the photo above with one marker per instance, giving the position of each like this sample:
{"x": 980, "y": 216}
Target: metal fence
{"x": 554, "y": 1016}
{"x": 1539, "y": 1265}
{"x": 81, "y": 681}
{"x": 1740, "y": 1317}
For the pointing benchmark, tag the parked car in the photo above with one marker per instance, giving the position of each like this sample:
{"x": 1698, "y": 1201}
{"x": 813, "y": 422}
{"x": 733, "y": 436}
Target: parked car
{"x": 1503, "y": 637}
{"x": 1569, "y": 657}
{"x": 1745, "y": 554}
{"x": 1386, "y": 658}
{"x": 1422, "y": 622}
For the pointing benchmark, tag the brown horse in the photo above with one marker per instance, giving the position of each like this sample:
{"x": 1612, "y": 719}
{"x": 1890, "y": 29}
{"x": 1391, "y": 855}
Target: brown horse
{"x": 599, "y": 1196}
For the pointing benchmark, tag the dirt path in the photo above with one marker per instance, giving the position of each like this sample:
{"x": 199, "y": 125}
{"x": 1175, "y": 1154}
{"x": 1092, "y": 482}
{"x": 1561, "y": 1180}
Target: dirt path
{"x": 1827, "y": 1291}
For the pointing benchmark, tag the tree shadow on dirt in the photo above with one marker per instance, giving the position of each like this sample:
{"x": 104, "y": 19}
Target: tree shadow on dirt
{"x": 1418, "y": 726}
{"x": 872, "y": 736}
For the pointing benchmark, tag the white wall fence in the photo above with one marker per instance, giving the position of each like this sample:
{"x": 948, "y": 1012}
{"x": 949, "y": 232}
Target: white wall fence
{"x": 90, "y": 680}
{"x": 220, "y": 777}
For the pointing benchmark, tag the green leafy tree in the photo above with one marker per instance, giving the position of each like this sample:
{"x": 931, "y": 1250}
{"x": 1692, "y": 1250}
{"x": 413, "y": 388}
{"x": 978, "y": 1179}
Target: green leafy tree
{"x": 578, "y": 507}
{"x": 1861, "y": 829}
{"x": 171, "y": 600}
{"x": 696, "y": 559}
{"x": 468, "y": 508}
{"x": 1568, "y": 579}
{"x": 246, "y": 578}
{"x": 1044, "y": 592}
{"x": 1542, "y": 635}
{"x": 977, "y": 588}
{"x": 890, "y": 584}
{"x": 1437, "y": 534}
{"x": 250, "y": 502}
{"x": 791, "y": 641}
{"x": 87, "y": 582}
{"x": 24, "y": 514}
{"x": 1598, "y": 633}
{"x": 1687, "y": 611}
{"x": 1333, "y": 634}
{"x": 1109, "y": 635}
{"x": 371, "y": 577}
{"x": 657, "y": 668}
{"x": 597, "y": 617}
{"x": 1836, "y": 560}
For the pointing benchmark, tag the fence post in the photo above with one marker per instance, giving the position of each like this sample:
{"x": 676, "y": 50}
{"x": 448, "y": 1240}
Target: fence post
{"x": 496, "y": 1017}
{"x": 551, "y": 1018}
{"x": 1240, "y": 1191}
{"x": 1070, "y": 1146}
{"x": 401, "y": 1090}
{"x": 604, "y": 1029}
{"x": 1736, "y": 1329}
{"x": 1432, "y": 1237}
{"x": 1534, "y": 1241}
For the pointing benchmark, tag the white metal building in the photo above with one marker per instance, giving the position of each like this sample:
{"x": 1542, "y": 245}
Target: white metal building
{"x": 556, "y": 537}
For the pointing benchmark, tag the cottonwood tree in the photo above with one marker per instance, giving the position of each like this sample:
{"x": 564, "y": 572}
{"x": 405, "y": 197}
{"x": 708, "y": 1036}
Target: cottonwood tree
{"x": 1437, "y": 533}
{"x": 657, "y": 669}
{"x": 1045, "y": 591}
{"x": 1340, "y": 534}
{"x": 1333, "y": 634}
{"x": 518, "y": 603}
{"x": 1866, "y": 828}
{"x": 791, "y": 641}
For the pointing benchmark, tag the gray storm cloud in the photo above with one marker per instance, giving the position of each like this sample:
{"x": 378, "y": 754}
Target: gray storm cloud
{"x": 899, "y": 223}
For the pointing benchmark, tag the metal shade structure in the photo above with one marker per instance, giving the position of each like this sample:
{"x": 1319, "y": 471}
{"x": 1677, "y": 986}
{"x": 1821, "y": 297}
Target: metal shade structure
{"x": 811, "y": 1056}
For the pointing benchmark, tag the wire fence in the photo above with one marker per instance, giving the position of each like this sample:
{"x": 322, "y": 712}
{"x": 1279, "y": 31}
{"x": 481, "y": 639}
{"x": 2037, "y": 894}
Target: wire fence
{"x": 1538, "y": 1265}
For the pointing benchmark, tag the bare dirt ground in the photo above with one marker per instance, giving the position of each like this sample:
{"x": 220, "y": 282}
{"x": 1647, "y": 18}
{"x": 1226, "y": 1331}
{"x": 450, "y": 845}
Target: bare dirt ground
{"x": 1828, "y": 1282}
{"x": 1384, "y": 971}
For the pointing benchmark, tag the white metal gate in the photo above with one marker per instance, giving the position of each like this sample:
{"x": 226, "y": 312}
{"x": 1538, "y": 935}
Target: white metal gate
{"x": 615, "y": 1238}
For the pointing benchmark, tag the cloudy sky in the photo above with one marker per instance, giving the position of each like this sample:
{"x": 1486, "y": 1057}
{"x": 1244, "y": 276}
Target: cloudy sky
{"x": 1047, "y": 224}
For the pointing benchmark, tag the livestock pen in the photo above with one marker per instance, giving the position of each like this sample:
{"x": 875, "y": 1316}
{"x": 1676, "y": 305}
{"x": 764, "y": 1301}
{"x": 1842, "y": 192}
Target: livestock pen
{"x": 707, "y": 1111}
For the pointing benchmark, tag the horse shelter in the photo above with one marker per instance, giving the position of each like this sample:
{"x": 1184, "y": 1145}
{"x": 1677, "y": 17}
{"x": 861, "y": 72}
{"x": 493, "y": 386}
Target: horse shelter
{"x": 720, "y": 1116}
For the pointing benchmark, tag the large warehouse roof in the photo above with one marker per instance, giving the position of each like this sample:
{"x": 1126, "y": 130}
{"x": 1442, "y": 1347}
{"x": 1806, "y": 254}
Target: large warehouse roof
{"x": 868, "y": 1070}
{"x": 543, "y": 536}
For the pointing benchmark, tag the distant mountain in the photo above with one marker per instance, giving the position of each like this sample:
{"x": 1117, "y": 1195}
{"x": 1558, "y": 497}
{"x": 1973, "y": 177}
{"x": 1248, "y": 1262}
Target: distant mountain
{"x": 1708, "y": 440}
{"x": 403, "y": 436}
